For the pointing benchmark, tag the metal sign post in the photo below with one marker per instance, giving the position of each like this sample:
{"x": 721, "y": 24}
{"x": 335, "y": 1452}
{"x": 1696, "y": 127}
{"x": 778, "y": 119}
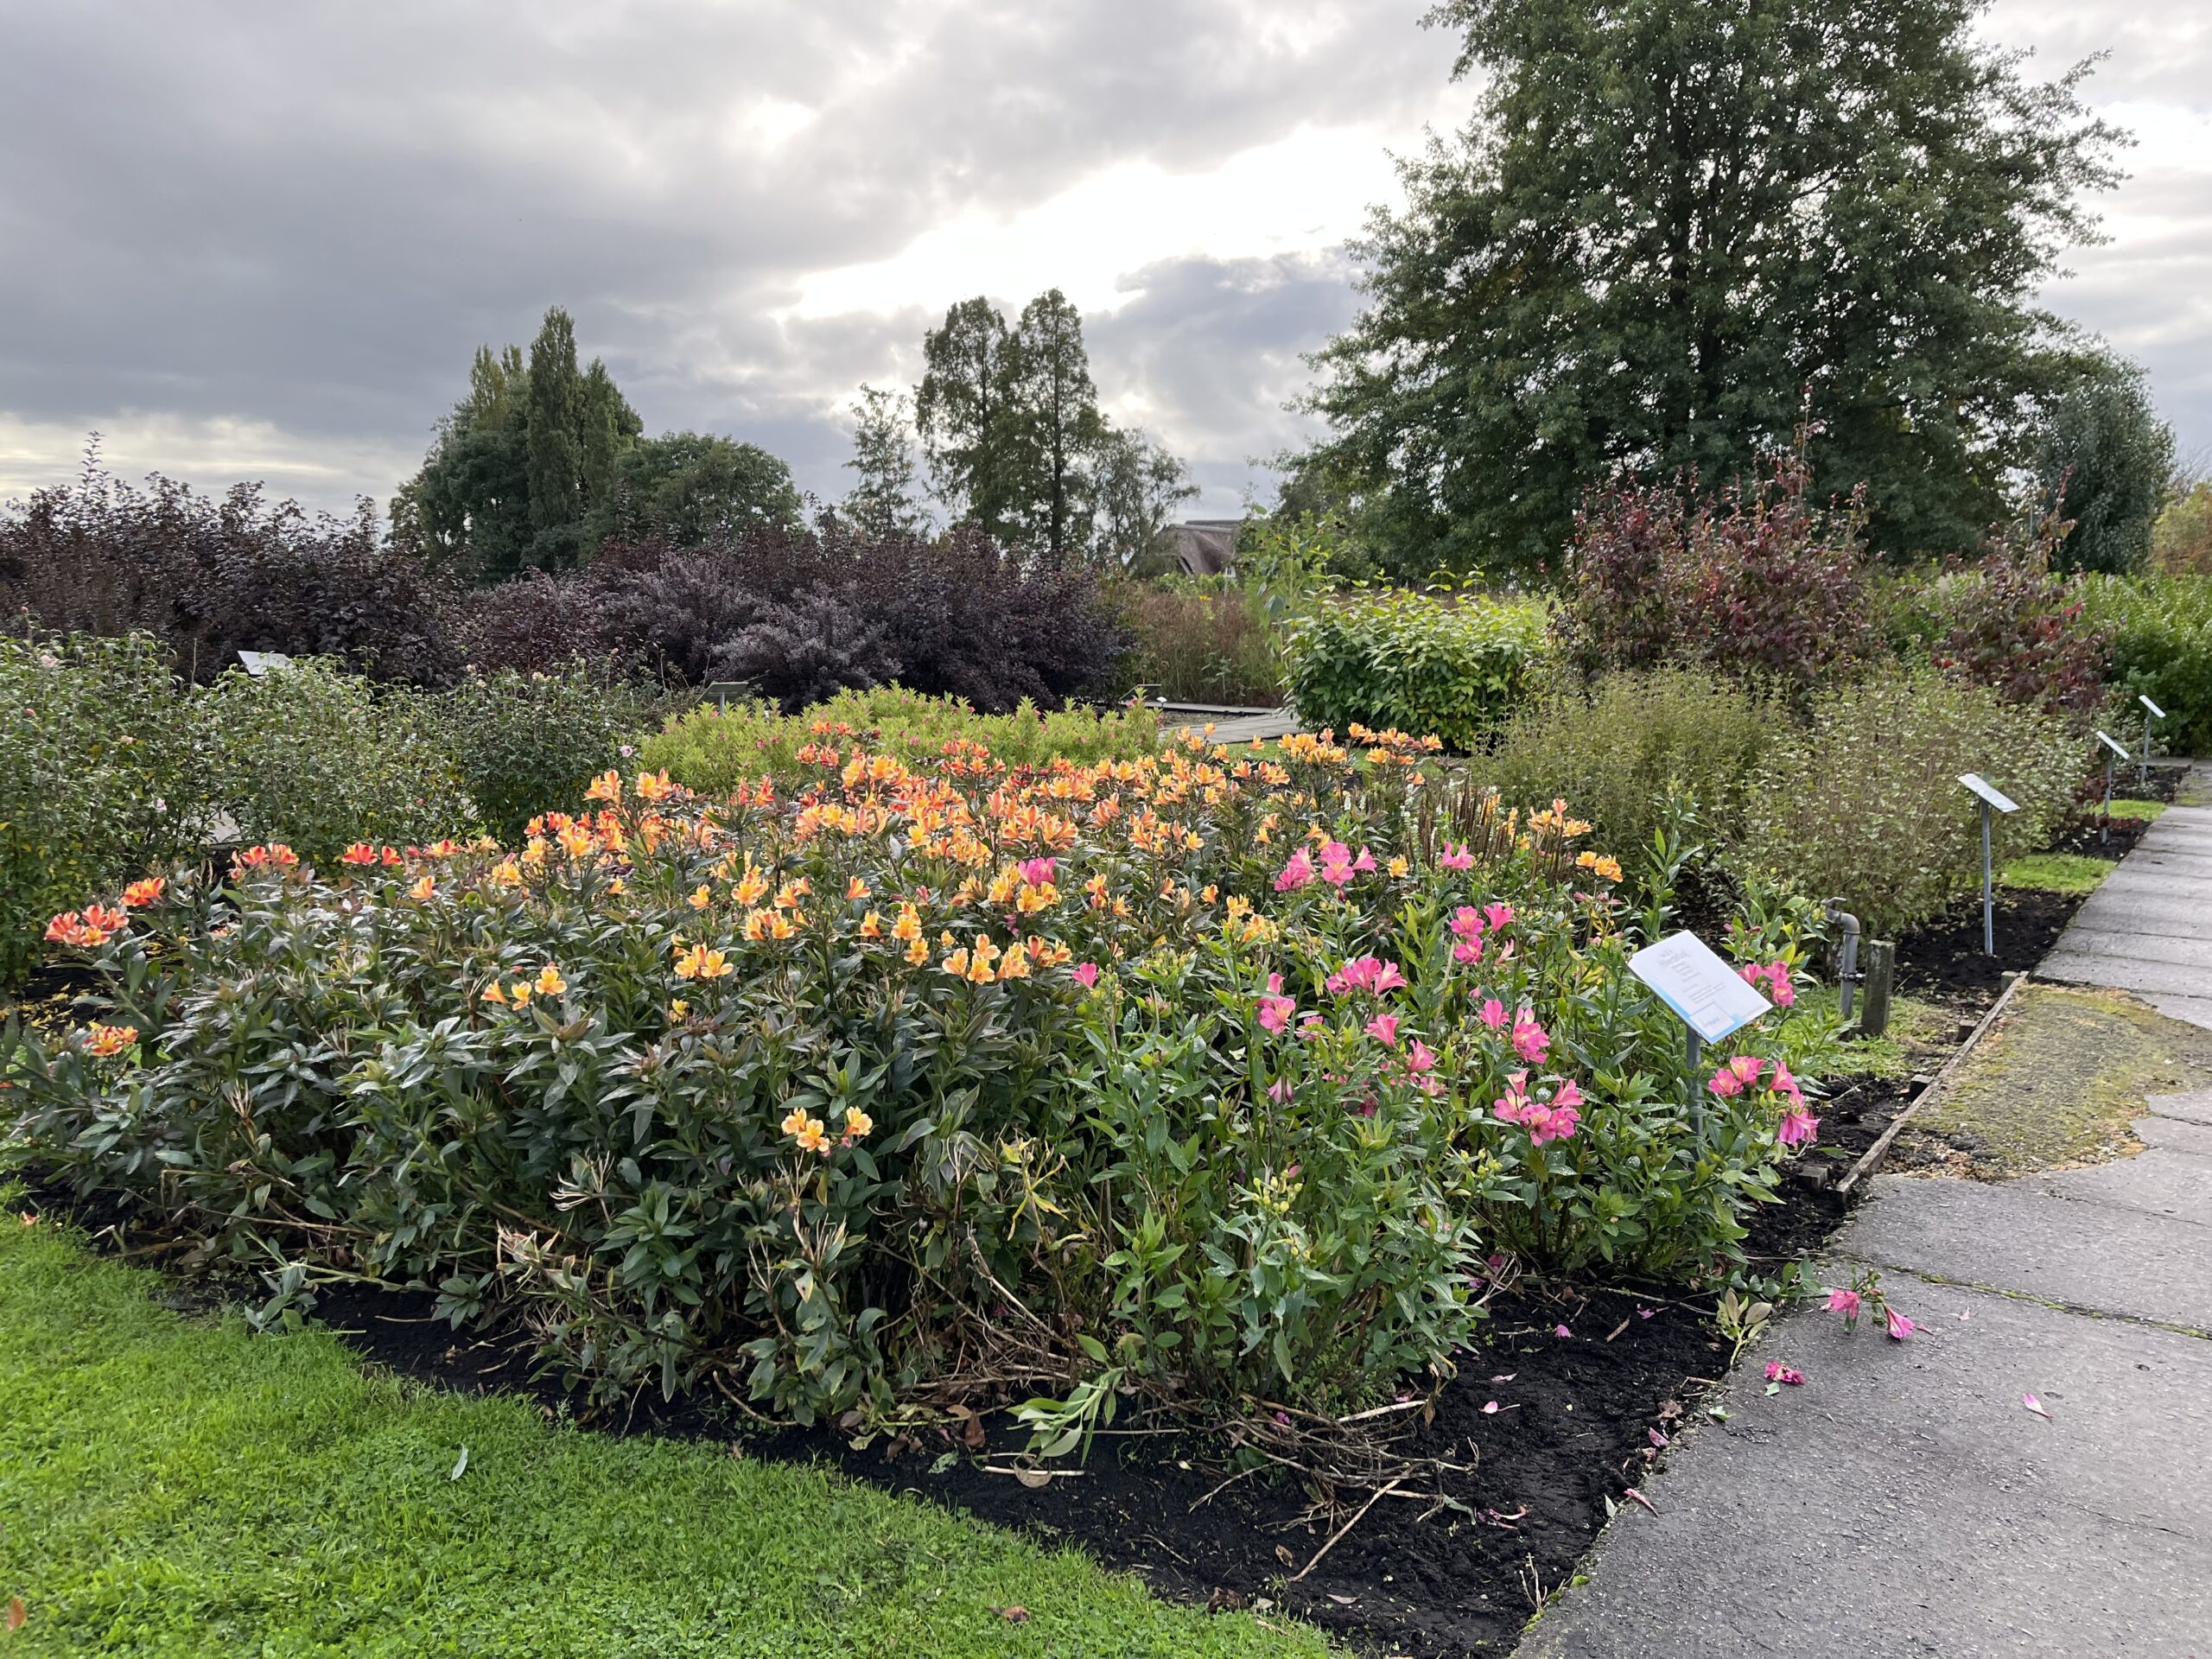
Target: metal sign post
{"x": 1992, "y": 799}
{"x": 2113, "y": 752}
{"x": 1710, "y": 998}
{"x": 2150, "y": 712}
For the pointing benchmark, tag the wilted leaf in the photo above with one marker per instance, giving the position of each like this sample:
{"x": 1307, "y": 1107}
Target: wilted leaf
{"x": 460, "y": 1466}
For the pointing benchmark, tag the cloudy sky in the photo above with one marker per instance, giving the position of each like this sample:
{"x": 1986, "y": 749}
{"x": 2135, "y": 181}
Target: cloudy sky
{"x": 249, "y": 240}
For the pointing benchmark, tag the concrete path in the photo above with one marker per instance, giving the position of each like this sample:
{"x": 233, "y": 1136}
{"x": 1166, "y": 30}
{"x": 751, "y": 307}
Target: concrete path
{"x": 1903, "y": 1501}
{"x": 2148, "y": 928}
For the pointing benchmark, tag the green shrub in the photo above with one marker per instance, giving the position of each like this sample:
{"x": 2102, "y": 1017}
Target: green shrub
{"x": 317, "y": 758}
{"x": 1108, "y": 1078}
{"x": 2161, "y": 630}
{"x": 1615, "y": 751}
{"x": 714, "y": 753}
{"x": 524, "y": 744}
{"x": 1452, "y": 666}
{"x": 1200, "y": 642}
{"x": 101, "y": 776}
{"x": 1866, "y": 805}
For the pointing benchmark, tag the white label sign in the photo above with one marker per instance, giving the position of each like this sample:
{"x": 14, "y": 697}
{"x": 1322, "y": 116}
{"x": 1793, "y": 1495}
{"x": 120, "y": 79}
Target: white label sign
{"x": 1711, "y": 997}
{"x": 1989, "y": 791}
{"x": 2105, "y": 738}
{"x": 259, "y": 663}
{"x": 2156, "y": 713}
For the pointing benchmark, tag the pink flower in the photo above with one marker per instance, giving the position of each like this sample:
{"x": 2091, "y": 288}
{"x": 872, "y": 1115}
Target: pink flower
{"x": 1467, "y": 922}
{"x": 1796, "y": 1128}
{"x": 1554, "y": 1123}
{"x": 1467, "y": 953}
{"x": 1365, "y": 863}
{"x": 1899, "y": 1326}
{"x": 1498, "y": 916}
{"x": 1366, "y": 973}
{"x": 1516, "y": 1099}
{"x": 1455, "y": 858}
{"x": 1279, "y": 1090}
{"x": 1566, "y": 1095}
{"x": 1312, "y": 1026}
{"x": 1384, "y": 1027}
{"x": 1275, "y": 1012}
{"x": 1530, "y": 1041}
{"x": 1336, "y": 875}
{"x": 1561, "y": 1330}
{"x": 1782, "y": 1083}
{"x": 1036, "y": 871}
{"x": 1724, "y": 1083}
{"x": 1777, "y": 1372}
{"x": 1493, "y": 1014}
{"x": 1746, "y": 1068}
{"x": 1844, "y": 1302}
{"x": 1086, "y": 974}
{"x": 1295, "y": 874}
{"x": 1420, "y": 1058}
{"x": 1387, "y": 978}
{"x": 1336, "y": 852}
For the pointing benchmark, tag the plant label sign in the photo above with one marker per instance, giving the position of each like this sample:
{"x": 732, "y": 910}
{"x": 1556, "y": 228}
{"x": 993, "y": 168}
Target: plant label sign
{"x": 2106, "y": 739}
{"x": 1989, "y": 791}
{"x": 2156, "y": 713}
{"x": 1711, "y": 997}
{"x": 259, "y": 662}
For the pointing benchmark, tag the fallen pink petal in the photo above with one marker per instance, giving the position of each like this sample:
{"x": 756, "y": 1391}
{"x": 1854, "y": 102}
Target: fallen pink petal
{"x": 2036, "y": 1406}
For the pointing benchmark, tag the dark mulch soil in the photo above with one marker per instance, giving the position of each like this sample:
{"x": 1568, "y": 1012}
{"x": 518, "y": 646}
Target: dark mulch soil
{"x": 1571, "y": 1429}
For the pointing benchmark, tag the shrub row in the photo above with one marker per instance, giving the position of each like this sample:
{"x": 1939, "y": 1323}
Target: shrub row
{"x": 1398, "y": 661}
{"x": 1202, "y": 1077}
{"x": 117, "y": 767}
{"x": 2161, "y": 635}
{"x": 1857, "y": 800}
{"x": 714, "y": 752}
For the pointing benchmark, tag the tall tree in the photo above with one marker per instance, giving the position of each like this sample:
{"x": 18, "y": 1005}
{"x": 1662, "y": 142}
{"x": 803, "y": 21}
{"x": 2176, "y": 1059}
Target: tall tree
{"x": 1054, "y": 430}
{"x": 882, "y": 502}
{"x": 960, "y": 409}
{"x": 2104, "y": 447}
{"x": 1140, "y": 486}
{"x": 1668, "y": 219}
{"x": 520, "y": 462}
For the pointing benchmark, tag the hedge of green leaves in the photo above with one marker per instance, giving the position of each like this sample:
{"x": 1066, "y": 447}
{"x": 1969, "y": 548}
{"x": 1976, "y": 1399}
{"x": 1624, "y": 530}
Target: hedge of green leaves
{"x": 2161, "y": 630}
{"x": 1451, "y": 666}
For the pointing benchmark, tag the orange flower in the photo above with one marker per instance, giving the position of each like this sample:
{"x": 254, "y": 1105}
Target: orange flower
{"x": 493, "y": 993}
{"x": 919, "y": 951}
{"x": 858, "y": 1124}
{"x": 106, "y": 1041}
{"x": 607, "y": 787}
{"x": 700, "y": 963}
{"x": 422, "y": 889}
{"x": 139, "y": 894}
{"x": 752, "y": 886}
{"x": 856, "y": 888}
{"x": 702, "y": 896}
{"x": 521, "y": 994}
{"x": 655, "y": 786}
{"x": 274, "y": 856}
{"x": 390, "y": 857}
{"x": 359, "y": 853}
{"x": 872, "y": 925}
{"x": 909, "y": 925}
{"x": 549, "y": 982}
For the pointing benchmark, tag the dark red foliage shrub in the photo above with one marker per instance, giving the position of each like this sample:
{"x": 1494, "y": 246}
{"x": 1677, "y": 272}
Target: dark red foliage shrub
{"x": 216, "y": 576}
{"x": 802, "y": 613}
{"x": 2013, "y": 624}
{"x": 1758, "y": 581}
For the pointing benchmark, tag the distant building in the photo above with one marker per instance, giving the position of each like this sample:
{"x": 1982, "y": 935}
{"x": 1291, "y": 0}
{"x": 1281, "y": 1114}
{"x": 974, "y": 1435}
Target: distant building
{"x": 1205, "y": 546}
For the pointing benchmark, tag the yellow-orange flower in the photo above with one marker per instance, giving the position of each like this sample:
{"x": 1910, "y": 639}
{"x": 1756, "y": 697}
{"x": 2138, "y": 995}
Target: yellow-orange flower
{"x": 872, "y": 925}
{"x": 607, "y": 787}
{"x": 919, "y": 951}
{"x": 139, "y": 894}
{"x": 106, "y": 1041}
{"x": 856, "y": 888}
{"x": 422, "y": 888}
{"x": 700, "y": 963}
{"x": 909, "y": 925}
{"x": 752, "y": 886}
{"x": 702, "y": 896}
{"x": 858, "y": 1123}
{"x": 549, "y": 982}
{"x": 521, "y": 994}
{"x": 654, "y": 786}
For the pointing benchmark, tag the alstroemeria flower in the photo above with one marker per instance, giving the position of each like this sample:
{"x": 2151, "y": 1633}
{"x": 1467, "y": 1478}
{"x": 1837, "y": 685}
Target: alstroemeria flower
{"x": 1493, "y": 1014}
{"x": 1844, "y": 1302}
{"x": 1275, "y": 1012}
{"x": 1796, "y": 1128}
{"x": 1899, "y": 1327}
{"x": 1777, "y": 1372}
{"x": 1297, "y": 874}
{"x": 1530, "y": 1041}
{"x": 1498, "y": 916}
{"x": 1420, "y": 1057}
{"x": 1455, "y": 858}
{"x": 1384, "y": 1027}
{"x": 1724, "y": 1083}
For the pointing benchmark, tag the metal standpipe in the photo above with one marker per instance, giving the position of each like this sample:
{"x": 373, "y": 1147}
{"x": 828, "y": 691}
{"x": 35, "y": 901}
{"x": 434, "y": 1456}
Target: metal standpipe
{"x": 2105, "y": 833}
{"x": 1846, "y": 956}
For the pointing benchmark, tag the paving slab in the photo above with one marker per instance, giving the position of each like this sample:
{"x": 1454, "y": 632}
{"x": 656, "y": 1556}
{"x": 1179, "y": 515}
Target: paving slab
{"x": 2157, "y": 1181}
{"x": 2194, "y": 1107}
{"x": 1903, "y": 1502}
{"x": 2174, "y": 1134}
{"x": 2012, "y": 1237}
{"x": 2189, "y": 950}
{"x": 2196, "y": 1010}
{"x": 2119, "y": 912}
{"x": 2123, "y": 973}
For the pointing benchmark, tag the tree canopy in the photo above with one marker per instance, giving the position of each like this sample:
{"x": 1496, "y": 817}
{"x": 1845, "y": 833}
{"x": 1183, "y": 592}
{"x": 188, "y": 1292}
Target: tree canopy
{"x": 2108, "y": 461}
{"x": 1670, "y": 223}
{"x": 543, "y": 459}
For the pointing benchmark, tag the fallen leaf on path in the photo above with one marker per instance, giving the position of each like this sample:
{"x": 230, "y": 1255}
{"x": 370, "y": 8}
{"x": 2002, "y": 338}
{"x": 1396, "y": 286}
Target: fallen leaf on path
{"x": 16, "y": 1614}
{"x": 2036, "y": 1406}
{"x": 1641, "y": 1498}
{"x": 1014, "y": 1615}
{"x": 460, "y": 1465}
{"x": 1656, "y": 1438}
{"x": 1342, "y": 1601}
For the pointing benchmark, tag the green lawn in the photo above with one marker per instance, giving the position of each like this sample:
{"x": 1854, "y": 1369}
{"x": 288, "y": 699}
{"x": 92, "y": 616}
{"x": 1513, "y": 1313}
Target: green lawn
{"x": 178, "y": 1485}
{"x": 2057, "y": 871}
